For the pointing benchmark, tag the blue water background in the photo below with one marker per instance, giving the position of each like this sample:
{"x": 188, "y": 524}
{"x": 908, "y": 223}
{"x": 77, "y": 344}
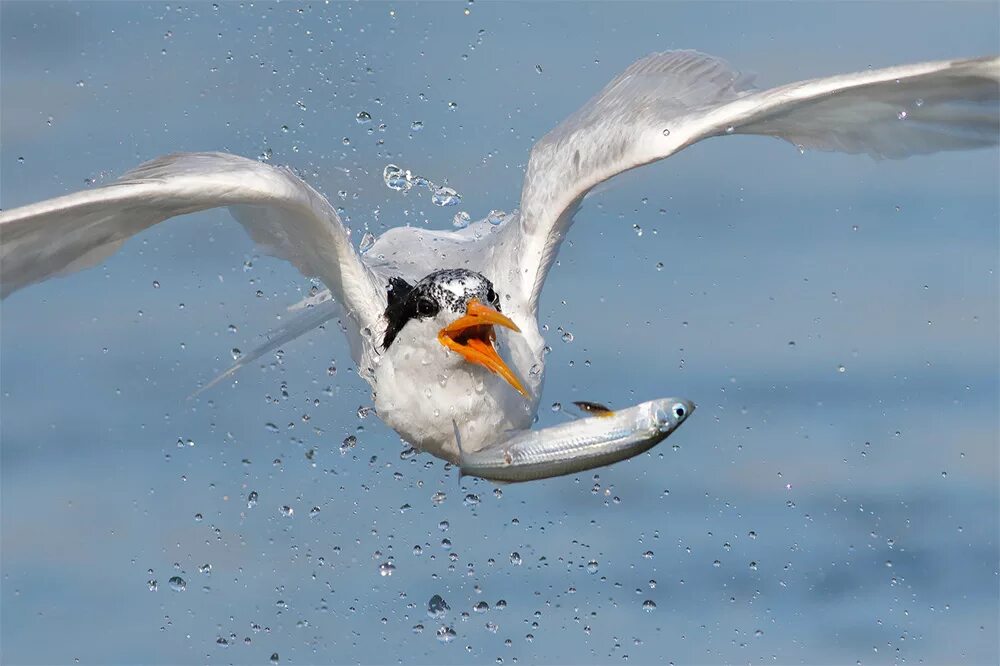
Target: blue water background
{"x": 834, "y": 500}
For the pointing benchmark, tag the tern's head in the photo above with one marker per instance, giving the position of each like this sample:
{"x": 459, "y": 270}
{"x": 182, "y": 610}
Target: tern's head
{"x": 459, "y": 307}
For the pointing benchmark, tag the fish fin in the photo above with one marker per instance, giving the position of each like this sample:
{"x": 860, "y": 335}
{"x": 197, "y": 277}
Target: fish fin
{"x": 593, "y": 408}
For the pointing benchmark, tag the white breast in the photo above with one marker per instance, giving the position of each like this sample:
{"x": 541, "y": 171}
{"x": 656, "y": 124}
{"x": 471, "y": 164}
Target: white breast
{"x": 421, "y": 391}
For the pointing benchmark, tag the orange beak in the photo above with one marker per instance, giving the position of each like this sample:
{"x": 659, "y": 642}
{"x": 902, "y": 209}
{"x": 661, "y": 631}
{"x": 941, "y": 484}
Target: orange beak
{"x": 472, "y": 336}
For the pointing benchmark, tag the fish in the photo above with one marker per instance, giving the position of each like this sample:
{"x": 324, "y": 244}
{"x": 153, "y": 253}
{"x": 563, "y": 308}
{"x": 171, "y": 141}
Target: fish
{"x": 576, "y": 446}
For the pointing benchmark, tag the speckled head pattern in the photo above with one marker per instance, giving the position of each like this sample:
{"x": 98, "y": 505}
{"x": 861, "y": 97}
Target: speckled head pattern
{"x": 450, "y": 290}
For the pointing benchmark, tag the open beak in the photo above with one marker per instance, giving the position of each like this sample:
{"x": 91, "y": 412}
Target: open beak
{"x": 472, "y": 336}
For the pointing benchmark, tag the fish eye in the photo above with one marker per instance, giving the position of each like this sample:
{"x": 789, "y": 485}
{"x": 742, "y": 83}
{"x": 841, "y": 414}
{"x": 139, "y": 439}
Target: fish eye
{"x": 426, "y": 307}
{"x": 492, "y": 297}
{"x": 679, "y": 411}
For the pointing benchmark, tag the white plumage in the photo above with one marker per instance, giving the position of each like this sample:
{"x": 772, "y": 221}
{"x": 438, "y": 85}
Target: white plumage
{"x": 656, "y": 107}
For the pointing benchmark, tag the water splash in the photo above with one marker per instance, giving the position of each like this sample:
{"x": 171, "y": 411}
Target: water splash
{"x": 403, "y": 180}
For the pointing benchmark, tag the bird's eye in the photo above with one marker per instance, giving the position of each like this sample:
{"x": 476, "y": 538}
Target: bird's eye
{"x": 492, "y": 297}
{"x": 679, "y": 411}
{"x": 426, "y": 307}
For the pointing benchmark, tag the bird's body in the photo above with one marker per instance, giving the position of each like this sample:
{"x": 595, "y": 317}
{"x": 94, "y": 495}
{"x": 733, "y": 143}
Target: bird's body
{"x": 443, "y": 324}
{"x": 453, "y": 390}
{"x": 423, "y": 415}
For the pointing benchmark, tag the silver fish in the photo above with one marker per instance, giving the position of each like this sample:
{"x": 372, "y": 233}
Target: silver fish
{"x": 579, "y": 445}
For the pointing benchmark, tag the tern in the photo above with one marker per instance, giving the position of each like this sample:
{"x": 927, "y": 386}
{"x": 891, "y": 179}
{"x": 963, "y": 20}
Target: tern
{"x": 443, "y": 324}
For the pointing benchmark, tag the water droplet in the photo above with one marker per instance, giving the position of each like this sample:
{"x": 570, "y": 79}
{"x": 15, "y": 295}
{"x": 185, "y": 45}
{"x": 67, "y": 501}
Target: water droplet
{"x": 445, "y": 196}
{"x": 252, "y": 499}
{"x": 416, "y": 126}
{"x": 395, "y": 178}
{"x": 386, "y": 569}
{"x": 452, "y": 106}
{"x": 538, "y": 68}
{"x": 313, "y": 512}
{"x": 366, "y": 242}
{"x": 841, "y": 369}
{"x": 496, "y": 217}
{"x": 153, "y": 585}
{"x": 666, "y": 132}
{"x": 902, "y": 115}
{"x": 567, "y": 336}
{"x": 287, "y": 511}
{"x": 349, "y": 443}
{"x": 648, "y": 555}
{"x": 481, "y": 607}
{"x": 270, "y": 427}
{"x": 730, "y": 129}
{"x": 205, "y": 569}
{"x": 437, "y": 607}
{"x": 758, "y": 633}
{"x": 515, "y": 559}
{"x": 236, "y": 353}
{"x": 918, "y": 102}
{"x": 461, "y": 220}
{"x": 648, "y": 605}
{"x": 592, "y": 566}
{"x": 363, "y": 117}
{"x": 446, "y": 634}
{"x": 177, "y": 584}
{"x": 275, "y": 658}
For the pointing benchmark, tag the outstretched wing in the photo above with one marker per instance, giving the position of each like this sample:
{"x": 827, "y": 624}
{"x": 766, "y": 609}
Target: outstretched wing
{"x": 667, "y": 101}
{"x": 283, "y": 214}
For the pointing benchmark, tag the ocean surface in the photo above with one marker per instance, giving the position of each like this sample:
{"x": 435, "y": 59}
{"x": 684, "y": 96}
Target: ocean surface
{"x": 833, "y": 500}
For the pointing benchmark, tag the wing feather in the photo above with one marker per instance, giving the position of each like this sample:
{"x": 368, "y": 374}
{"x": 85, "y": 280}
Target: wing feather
{"x": 668, "y": 101}
{"x": 282, "y": 214}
